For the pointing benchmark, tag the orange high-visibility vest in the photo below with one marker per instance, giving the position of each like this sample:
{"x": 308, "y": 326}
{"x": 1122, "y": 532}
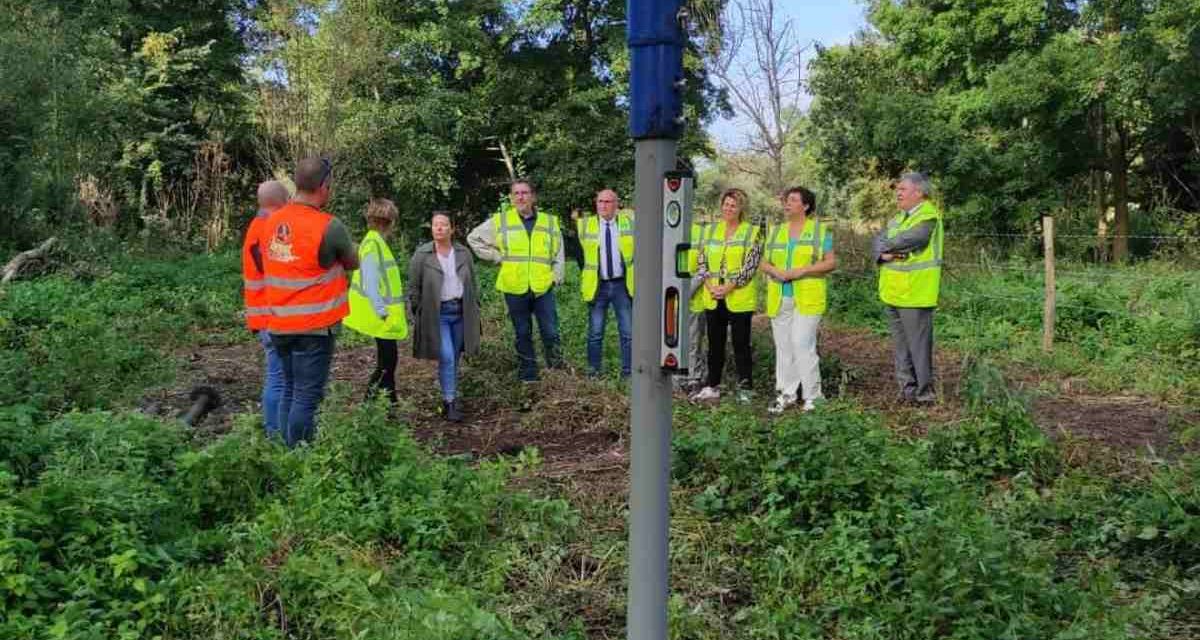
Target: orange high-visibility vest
{"x": 301, "y": 294}
{"x": 253, "y": 288}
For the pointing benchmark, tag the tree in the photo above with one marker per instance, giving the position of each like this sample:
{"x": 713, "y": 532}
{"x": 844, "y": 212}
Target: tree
{"x": 122, "y": 92}
{"x": 439, "y": 104}
{"x": 765, "y": 83}
{"x": 1020, "y": 108}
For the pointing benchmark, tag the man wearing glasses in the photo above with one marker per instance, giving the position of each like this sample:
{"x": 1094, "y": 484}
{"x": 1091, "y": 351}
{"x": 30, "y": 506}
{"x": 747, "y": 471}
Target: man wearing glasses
{"x": 527, "y": 243}
{"x": 607, "y": 277}
{"x": 308, "y": 252}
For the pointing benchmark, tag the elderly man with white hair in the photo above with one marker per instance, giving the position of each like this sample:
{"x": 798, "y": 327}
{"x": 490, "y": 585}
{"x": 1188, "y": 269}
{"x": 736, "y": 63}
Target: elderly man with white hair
{"x": 271, "y": 196}
{"x": 909, "y": 254}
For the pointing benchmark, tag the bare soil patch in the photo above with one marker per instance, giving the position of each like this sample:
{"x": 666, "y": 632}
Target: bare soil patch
{"x": 1125, "y": 424}
{"x": 580, "y": 426}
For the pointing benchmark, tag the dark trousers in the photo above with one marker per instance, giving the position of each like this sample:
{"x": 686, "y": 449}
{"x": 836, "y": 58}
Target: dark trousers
{"x": 718, "y": 319}
{"x": 306, "y": 360}
{"x": 384, "y": 377}
{"x": 522, "y": 309}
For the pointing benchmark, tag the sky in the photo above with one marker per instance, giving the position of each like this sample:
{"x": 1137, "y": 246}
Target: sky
{"x": 826, "y": 21}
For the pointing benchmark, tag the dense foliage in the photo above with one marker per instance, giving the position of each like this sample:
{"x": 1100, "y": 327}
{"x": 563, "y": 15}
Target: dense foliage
{"x": 1087, "y": 110}
{"x": 160, "y": 117}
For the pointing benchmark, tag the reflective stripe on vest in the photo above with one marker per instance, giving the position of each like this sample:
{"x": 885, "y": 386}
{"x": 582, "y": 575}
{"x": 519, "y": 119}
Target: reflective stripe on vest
{"x": 725, "y": 259}
{"x": 809, "y": 292}
{"x": 590, "y": 240}
{"x": 301, "y": 294}
{"x": 915, "y": 281}
{"x": 363, "y": 317}
{"x": 254, "y": 296}
{"x": 527, "y": 258}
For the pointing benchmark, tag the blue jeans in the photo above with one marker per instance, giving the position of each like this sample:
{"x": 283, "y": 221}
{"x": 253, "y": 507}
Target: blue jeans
{"x": 522, "y": 309}
{"x": 306, "y": 361}
{"x": 610, "y": 293}
{"x": 450, "y": 346}
{"x": 273, "y": 386}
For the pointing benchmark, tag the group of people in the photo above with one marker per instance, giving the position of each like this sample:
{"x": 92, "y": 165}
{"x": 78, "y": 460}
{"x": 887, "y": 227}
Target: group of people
{"x": 297, "y": 293}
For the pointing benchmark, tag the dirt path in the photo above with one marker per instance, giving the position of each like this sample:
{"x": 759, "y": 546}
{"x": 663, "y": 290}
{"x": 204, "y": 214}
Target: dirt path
{"x": 1126, "y": 424}
{"x": 579, "y": 425}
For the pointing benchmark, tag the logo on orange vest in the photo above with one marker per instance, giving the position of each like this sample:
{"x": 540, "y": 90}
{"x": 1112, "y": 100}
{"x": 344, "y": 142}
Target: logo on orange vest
{"x": 280, "y": 249}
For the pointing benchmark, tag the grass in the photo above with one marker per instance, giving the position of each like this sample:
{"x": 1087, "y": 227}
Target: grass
{"x": 114, "y": 524}
{"x": 1122, "y": 329}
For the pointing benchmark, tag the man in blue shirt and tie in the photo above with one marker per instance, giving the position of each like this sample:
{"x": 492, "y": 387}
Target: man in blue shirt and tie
{"x": 607, "y": 277}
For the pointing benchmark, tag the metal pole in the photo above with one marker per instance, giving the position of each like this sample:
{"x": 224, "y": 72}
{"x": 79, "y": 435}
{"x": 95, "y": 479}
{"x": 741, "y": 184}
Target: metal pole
{"x": 1048, "y": 311}
{"x": 656, "y": 41}
{"x": 650, "y": 419}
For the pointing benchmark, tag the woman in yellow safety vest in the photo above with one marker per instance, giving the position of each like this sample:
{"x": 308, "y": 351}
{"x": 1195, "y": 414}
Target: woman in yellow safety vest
{"x": 726, "y": 268}
{"x": 377, "y": 296}
{"x": 798, "y": 255}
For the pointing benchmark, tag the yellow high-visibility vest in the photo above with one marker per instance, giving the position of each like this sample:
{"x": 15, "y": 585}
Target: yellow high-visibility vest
{"x": 362, "y": 316}
{"x": 809, "y": 293}
{"x": 527, "y": 262}
{"x": 699, "y": 235}
{"x": 916, "y": 280}
{"x": 589, "y": 238}
{"x": 732, "y": 254}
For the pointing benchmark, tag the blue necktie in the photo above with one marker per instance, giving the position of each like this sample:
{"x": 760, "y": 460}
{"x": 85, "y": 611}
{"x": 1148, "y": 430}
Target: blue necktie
{"x": 608, "y": 261}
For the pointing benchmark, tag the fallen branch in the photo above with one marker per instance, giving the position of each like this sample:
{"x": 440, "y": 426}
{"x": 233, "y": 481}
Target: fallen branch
{"x": 25, "y": 259}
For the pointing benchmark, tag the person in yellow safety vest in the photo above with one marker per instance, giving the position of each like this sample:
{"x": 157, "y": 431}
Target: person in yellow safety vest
{"x": 798, "y": 255}
{"x": 726, "y": 268}
{"x": 607, "y": 277}
{"x": 909, "y": 254}
{"x": 377, "y": 298}
{"x": 528, "y": 245}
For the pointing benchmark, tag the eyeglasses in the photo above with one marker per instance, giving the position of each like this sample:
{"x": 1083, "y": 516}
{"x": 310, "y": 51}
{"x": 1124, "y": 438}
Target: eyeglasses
{"x": 326, "y": 170}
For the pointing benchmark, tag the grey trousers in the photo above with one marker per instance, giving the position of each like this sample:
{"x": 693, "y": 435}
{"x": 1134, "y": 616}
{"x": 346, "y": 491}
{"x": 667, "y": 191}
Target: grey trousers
{"x": 912, "y": 334}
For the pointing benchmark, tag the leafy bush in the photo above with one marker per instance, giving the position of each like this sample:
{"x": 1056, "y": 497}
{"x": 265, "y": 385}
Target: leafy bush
{"x": 114, "y": 525}
{"x": 846, "y": 532}
{"x": 92, "y": 344}
{"x": 1001, "y": 440}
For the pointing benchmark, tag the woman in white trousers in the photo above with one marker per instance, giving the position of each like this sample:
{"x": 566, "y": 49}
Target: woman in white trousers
{"x": 797, "y": 257}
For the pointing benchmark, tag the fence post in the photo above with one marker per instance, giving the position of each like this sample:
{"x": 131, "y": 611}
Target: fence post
{"x": 1048, "y": 314}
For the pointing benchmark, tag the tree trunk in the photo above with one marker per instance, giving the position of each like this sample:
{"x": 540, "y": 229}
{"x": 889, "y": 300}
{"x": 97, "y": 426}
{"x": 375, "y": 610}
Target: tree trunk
{"x": 1099, "y": 202}
{"x": 22, "y": 260}
{"x": 1120, "y": 195}
{"x": 1098, "y": 187}
{"x": 508, "y": 161}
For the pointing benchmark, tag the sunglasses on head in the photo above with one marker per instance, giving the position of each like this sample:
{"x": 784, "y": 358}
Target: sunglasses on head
{"x": 326, "y": 169}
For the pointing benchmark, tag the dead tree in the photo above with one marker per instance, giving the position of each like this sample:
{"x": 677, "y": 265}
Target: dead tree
{"x": 760, "y": 64}
{"x": 26, "y": 259}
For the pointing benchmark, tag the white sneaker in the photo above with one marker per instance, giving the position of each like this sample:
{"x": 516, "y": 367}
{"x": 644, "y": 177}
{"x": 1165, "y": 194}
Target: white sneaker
{"x": 707, "y": 393}
{"x": 810, "y": 404}
{"x": 782, "y": 402}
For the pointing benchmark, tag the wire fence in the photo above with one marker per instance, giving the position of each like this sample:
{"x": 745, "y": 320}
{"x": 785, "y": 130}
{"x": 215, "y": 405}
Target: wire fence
{"x": 983, "y": 282}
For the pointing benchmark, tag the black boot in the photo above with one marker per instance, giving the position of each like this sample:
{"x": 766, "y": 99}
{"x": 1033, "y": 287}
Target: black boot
{"x": 452, "y": 411}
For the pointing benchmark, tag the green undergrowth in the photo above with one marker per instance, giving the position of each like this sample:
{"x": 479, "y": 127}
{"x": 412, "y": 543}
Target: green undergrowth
{"x": 1123, "y": 329}
{"x": 838, "y": 529}
{"x": 99, "y": 338}
{"x": 116, "y": 526}
{"x": 823, "y": 525}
